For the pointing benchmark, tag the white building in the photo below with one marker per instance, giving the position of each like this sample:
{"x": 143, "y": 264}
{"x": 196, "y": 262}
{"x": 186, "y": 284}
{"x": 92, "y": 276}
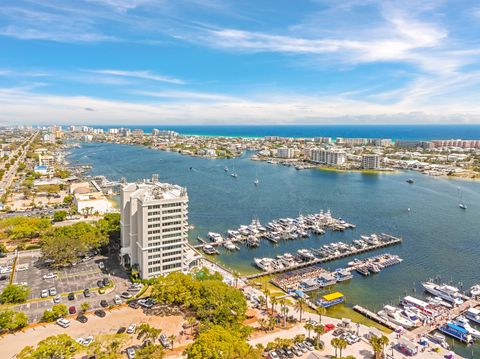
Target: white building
{"x": 285, "y": 152}
{"x": 154, "y": 227}
{"x": 88, "y": 199}
{"x": 329, "y": 157}
{"x": 370, "y": 162}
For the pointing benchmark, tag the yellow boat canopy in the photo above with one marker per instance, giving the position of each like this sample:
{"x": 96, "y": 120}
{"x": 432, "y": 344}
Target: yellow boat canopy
{"x": 332, "y": 296}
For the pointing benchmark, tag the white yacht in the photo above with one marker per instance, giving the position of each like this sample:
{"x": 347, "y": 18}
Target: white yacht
{"x": 463, "y": 322}
{"x": 393, "y": 315}
{"x": 473, "y": 314}
{"x": 215, "y": 237}
{"x": 264, "y": 263}
{"x": 306, "y": 254}
{"x": 444, "y": 291}
{"x": 475, "y": 291}
{"x": 230, "y": 246}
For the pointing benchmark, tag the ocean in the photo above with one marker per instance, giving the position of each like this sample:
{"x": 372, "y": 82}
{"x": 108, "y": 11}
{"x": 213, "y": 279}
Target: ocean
{"x": 395, "y": 132}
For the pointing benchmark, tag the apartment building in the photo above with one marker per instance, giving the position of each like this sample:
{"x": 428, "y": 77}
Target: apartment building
{"x": 154, "y": 227}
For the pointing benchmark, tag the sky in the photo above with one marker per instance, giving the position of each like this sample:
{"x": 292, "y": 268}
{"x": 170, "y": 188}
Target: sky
{"x": 239, "y": 62}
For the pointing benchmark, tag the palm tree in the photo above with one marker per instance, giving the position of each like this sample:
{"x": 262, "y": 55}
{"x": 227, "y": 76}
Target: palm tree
{"x": 191, "y": 321}
{"x": 285, "y": 312}
{"x": 266, "y": 292}
{"x": 342, "y": 344}
{"x": 274, "y": 302}
{"x": 271, "y": 322}
{"x": 300, "y": 306}
{"x": 319, "y": 329}
{"x": 263, "y": 324}
{"x": 171, "y": 339}
{"x": 236, "y": 276}
{"x": 309, "y": 327}
{"x": 146, "y": 331}
{"x": 334, "y": 343}
{"x": 376, "y": 346}
{"x": 383, "y": 341}
{"x": 320, "y": 311}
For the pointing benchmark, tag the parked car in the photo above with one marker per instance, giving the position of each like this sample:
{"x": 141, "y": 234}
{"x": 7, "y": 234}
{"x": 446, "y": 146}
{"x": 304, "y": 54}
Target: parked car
{"x": 126, "y": 295}
{"x": 64, "y": 323}
{"x": 146, "y": 303}
{"x": 57, "y": 299}
{"x": 72, "y": 309}
{"x": 50, "y": 276}
{"x": 52, "y": 291}
{"x": 44, "y": 293}
{"x": 131, "y": 353}
{"x": 101, "y": 265}
{"x": 100, "y": 284}
{"x": 86, "y": 293}
{"x": 82, "y": 318}
{"x": 101, "y": 290}
{"x": 329, "y": 327}
{"x": 104, "y": 303}
{"x": 71, "y": 296}
{"x": 273, "y": 355}
{"x": 131, "y": 328}
{"x": 106, "y": 281}
{"x": 308, "y": 345}
{"x": 100, "y": 313}
{"x": 302, "y": 347}
{"x": 134, "y": 305}
{"x": 87, "y": 341}
{"x": 289, "y": 353}
{"x": 121, "y": 330}
{"x": 297, "y": 351}
{"x": 164, "y": 341}
{"x": 117, "y": 300}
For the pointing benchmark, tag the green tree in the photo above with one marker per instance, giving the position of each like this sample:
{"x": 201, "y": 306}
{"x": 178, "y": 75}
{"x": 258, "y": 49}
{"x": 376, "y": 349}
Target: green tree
{"x": 150, "y": 352}
{"x": 300, "y": 306}
{"x": 171, "y": 339}
{"x": 221, "y": 343}
{"x": 319, "y": 330}
{"x": 342, "y": 344}
{"x": 3, "y": 248}
{"x": 309, "y": 327}
{"x": 85, "y": 306}
{"x": 12, "y": 320}
{"x": 53, "y": 347}
{"x": 57, "y": 311}
{"x": 13, "y": 293}
{"x": 147, "y": 332}
{"x": 321, "y": 311}
{"x": 60, "y": 216}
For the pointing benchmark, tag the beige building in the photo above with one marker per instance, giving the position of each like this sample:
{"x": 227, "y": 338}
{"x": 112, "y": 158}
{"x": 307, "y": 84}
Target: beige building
{"x": 154, "y": 227}
{"x": 89, "y": 200}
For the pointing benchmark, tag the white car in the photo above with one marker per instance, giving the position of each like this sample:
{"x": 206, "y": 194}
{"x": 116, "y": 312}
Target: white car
{"x": 64, "y": 323}
{"x": 131, "y": 328}
{"x": 50, "y": 276}
{"x": 44, "y": 293}
{"x": 52, "y": 291}
{"x": 101, "y": 265}
{"x": 117, "y": 300}
{"x": 79, "y": 340}
{"x": 56, "y": 299}
{"x": 87, "y": 341}
{"x": 308, "y": 345}
{"x": 131, "y": 353}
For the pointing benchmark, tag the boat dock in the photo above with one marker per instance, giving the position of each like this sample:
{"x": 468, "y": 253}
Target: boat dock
{"x": 390, "y": 240}
{"x": 452, "y": 313}
{"x": 375, "y": 317}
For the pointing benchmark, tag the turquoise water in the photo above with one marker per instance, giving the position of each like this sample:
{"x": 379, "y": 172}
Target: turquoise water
{"x": 404, "y": 132}
{"x": 439, "y": 238}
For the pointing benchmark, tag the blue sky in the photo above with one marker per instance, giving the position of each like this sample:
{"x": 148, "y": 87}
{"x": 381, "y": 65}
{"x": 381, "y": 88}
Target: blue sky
{"x": 239, "y": 62}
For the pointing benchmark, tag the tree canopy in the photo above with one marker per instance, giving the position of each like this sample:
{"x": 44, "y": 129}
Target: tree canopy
{"x": 13, "y": 293}
{"x": 221, "y": 343}
{"x": 56, "y": 346}
{"x": 12, "y": 320}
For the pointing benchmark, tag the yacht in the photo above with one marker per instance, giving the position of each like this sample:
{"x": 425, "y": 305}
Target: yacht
{"x": 473, "y": 314}
{"x": 225, "y": 169}
{"x": 440, "y": 301}
{"x": 363, "y": 270}
{"x": 475, "y": 291}
{"x": 215, "y": 237}
{"x": 450, "y": 328}
{"x": 256, "y": 182}
{"x": 230, "y": 246}
{"x": 393, "y": 315}
{"x": 463, "y": 322}
{"x": 410, "y": 314}
{"x": 447, "y": 292}
{"x": 234, "y": 175}
{"x": 208, "y": 249}
{"x": 263, "y": 263}
{"x": 306, "y": 254}
{"x": 438, "y": 339}
{"x": 342, "y": 275}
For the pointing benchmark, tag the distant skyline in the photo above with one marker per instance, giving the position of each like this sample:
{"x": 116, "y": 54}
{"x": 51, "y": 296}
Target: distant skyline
{"x": 101, "y": 62}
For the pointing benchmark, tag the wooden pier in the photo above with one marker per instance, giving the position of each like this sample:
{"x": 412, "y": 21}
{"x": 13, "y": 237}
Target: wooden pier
{"x": 392, "y": 241}
{"x": 375, "y": 317}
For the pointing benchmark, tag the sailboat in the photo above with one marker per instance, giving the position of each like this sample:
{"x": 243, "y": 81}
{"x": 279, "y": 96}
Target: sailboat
{"x": 256, "y": 182}
{"x": 233, "y": 174}
{"x": 460, "y": 202}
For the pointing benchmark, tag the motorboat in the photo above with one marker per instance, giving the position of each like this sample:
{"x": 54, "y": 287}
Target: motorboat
{"x": 444, "y": 291}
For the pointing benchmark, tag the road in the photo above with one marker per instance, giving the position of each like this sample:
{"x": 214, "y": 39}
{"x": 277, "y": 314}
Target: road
{"x": 8, "y": 177}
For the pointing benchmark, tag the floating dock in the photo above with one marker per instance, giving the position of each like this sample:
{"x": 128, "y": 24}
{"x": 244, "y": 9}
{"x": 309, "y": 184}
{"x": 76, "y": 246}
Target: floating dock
{"x": 375, "y": 317}
{"x": 392, "y": 241}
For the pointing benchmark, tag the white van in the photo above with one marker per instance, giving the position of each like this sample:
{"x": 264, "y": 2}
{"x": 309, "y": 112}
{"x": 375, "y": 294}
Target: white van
{"x": 64, "y": 323}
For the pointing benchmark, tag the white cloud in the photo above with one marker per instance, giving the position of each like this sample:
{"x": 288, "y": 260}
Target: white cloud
{"x": 144, "y": 75}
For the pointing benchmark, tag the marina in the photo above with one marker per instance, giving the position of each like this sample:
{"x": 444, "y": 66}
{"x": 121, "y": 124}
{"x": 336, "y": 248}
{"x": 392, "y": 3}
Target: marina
{"x": 277, "y": 230}
{"x": 309, "y": 257}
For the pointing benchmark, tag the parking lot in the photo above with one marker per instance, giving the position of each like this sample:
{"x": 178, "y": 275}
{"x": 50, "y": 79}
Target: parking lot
{"x": 30, "y": 270}
{"x": 5, "y": 269}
